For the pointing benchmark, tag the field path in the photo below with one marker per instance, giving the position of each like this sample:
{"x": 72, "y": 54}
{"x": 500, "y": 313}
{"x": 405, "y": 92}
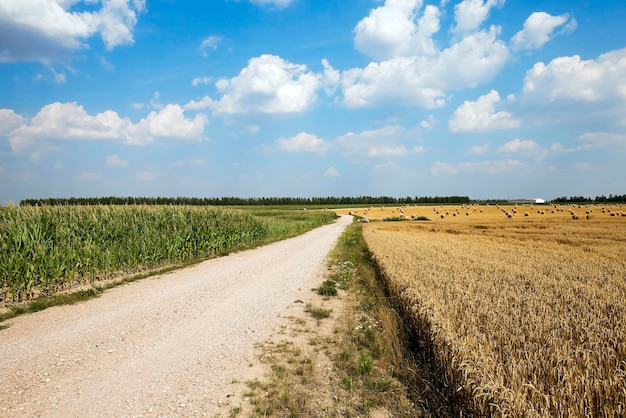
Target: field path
{"x": 171, "y": 345}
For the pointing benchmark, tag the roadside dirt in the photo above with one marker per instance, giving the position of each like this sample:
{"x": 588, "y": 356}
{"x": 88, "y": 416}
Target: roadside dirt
{"x": 180, "y": 344}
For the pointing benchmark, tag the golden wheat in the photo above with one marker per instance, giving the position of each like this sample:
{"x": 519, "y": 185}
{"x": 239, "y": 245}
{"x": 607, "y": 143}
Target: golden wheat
{"x": 526, "y": 316}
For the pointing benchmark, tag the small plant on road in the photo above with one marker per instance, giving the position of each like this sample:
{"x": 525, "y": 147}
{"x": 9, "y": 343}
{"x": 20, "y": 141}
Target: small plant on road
{"x": 318, "y": 313}
{"x": 328, "y": 288}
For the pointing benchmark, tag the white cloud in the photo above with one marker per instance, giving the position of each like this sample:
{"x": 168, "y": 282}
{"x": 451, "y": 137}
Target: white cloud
{"x": 428, "y": 123}
{"x": 210, "y": 42}
{"x": 277, "y": 3}
{"x": 115, "y": 161}
{"x": 331, "y": 79}
{"x": 69, "y": 121}
{"x": 603, "y": 139}
{"x": 332, "y": 172}
{"x": 40, "y": 30}
{"x": 418, "y": 149}
{"x": 526, "y": 147}
{"x": 481, "y": 115}
{"x": 570, "y": 78}
{"x": 268, "y": 84}
{"x": 204, "y": 103}
{"x": 519, "y": 145}
{"x": 557, "y": 147}
{"x": 117, "y": 19}
{"x": 57, "y": 77}
{"x": 302, "y": 142}
{"x": 9, "y": 120}
{"x": 200, "y": 80}
{"x": 475, "y": 59}
{"x": 538, "y": 29}
{"x": 393, "y": 30}
{"x": 419, "y": 75}
{"x": 401, "y": 80}
{"x": 470, "y": 14}
{"x": 170, "y": 122}
{"x": 61, "y": 121}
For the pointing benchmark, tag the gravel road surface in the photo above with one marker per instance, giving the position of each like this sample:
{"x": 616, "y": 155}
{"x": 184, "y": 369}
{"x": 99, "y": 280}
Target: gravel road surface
{"x": 179, "y": 344}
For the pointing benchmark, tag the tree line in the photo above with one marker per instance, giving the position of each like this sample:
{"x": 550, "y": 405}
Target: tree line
{"x": 249, "y": 201}
{"x": 598, "y": 199}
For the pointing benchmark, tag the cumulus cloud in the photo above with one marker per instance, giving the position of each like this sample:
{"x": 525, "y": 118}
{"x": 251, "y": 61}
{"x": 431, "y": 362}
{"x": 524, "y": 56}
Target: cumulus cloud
{"x": 470, "y": 14}
{"x": 539, "y": 29}
{"x": 170, "y": 122}
{"x": 402, "y": 80}
{"x": 43, "y": 30}
{"x": 569, "y": 78}
{"x": 9, "y": 120}
{"x": 392, "y": 30}
{"x": 302, "y": 142}
{"x": 481, "y": 115}
{"x": 70, "y": 121}
{"x": 268, "y": 84}
{"x": 411, "y": 70}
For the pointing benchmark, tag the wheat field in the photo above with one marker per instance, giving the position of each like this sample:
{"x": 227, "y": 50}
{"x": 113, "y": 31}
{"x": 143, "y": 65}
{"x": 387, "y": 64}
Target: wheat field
{"x": 525, "y": 314}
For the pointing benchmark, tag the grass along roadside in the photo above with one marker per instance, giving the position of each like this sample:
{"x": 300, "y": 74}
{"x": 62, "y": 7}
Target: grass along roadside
{"x": 343, "y": 355}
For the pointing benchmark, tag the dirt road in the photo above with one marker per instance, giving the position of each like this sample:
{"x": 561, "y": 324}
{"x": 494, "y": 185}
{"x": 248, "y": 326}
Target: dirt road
{"x": 181, "y": 344}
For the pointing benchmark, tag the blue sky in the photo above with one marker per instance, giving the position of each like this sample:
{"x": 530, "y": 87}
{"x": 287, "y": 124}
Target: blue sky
{"x": 248, "y": 98}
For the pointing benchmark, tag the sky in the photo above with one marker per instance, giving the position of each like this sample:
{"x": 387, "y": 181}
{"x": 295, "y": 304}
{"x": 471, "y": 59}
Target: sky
{"x": 306, "y": 98}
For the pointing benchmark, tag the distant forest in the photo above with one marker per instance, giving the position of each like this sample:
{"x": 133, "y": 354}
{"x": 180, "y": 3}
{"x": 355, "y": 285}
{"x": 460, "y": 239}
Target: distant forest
{"x": 251, "y": 201}
{"x": 294, "y": 201}
{"x": 599, "y": 199}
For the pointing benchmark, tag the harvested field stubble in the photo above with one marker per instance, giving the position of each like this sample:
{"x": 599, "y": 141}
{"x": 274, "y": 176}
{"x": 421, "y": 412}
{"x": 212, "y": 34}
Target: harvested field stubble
{"x": 526, "y": 318}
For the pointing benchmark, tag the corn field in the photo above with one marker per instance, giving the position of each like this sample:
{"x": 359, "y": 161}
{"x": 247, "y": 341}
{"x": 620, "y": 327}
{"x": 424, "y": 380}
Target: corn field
{"x": 526, "y": 319}
{"x": 44, "y": 250}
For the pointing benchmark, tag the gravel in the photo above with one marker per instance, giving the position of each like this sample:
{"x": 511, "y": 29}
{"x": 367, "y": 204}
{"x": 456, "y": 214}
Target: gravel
{"x": 179, "y": 344}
